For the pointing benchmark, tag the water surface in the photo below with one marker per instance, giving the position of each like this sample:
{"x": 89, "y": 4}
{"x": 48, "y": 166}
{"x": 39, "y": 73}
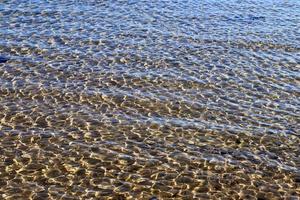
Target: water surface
{"x": 141, "y": 99}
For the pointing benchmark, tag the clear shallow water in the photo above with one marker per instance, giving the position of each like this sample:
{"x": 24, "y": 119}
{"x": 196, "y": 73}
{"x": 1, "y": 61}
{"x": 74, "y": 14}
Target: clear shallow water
{"x": 140, "y": 100}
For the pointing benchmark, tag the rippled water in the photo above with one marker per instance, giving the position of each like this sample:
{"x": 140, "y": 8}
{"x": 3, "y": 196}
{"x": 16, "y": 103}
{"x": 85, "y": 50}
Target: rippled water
{"x": 150, "y": 99}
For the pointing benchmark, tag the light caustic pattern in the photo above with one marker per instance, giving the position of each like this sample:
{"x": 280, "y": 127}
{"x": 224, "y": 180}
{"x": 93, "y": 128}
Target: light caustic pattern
{"x": 149, "y": 100}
